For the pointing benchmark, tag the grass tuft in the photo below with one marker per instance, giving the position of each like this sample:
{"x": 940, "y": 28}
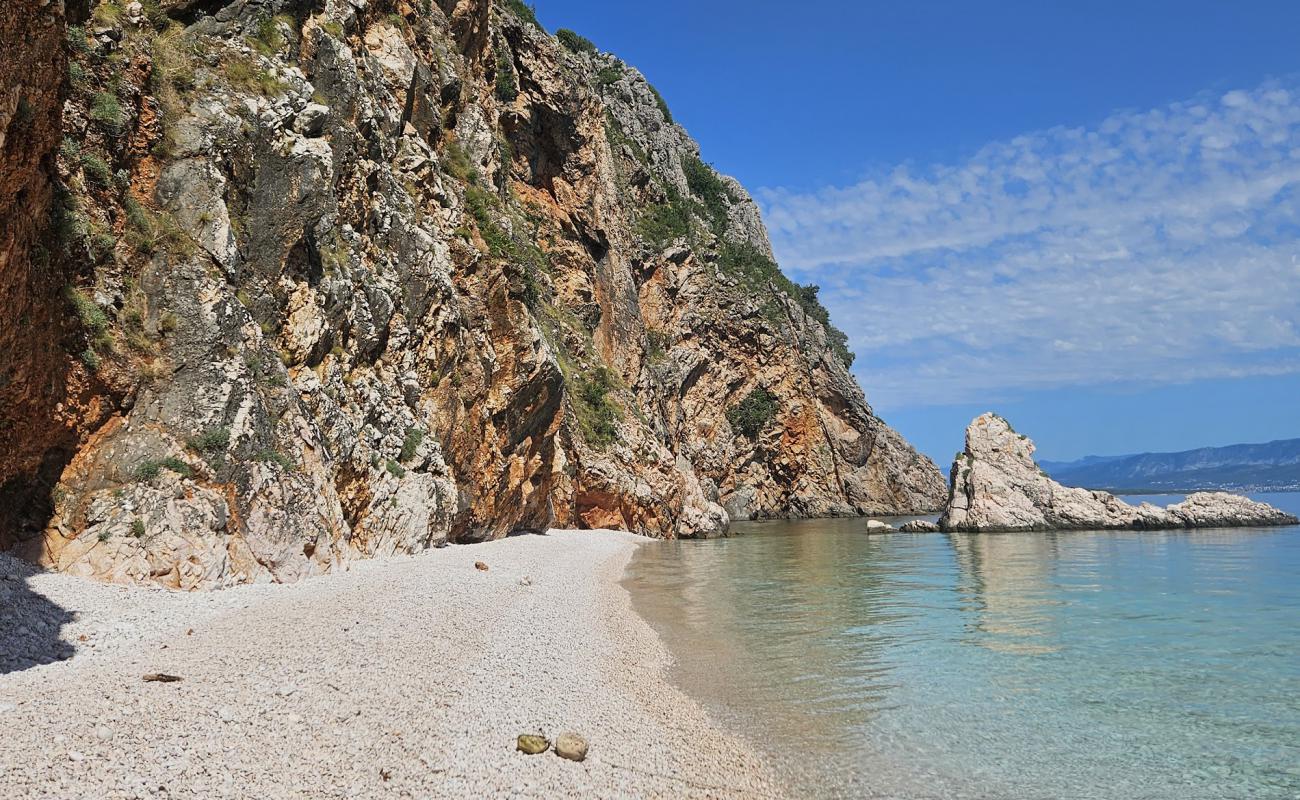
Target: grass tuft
{"x": 152, "y": 469}
{"x": 411, "y": 444}
{"x": 106, "y": 110}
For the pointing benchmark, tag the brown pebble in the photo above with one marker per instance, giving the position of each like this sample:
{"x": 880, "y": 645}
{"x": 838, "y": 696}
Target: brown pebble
{"x": 480, "y": 566}
{"x": 161, "y": 677}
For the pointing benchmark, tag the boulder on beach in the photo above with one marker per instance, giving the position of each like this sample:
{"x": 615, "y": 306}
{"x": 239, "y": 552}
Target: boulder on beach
{"x": 996, "y": 485}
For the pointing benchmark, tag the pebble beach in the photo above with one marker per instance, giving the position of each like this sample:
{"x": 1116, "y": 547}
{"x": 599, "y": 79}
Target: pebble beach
{"x": 401, "y": 677}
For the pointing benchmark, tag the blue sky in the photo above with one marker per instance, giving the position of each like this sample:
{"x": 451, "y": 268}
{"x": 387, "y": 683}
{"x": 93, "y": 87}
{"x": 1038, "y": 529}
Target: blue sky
{"x": 1085, "y": 216}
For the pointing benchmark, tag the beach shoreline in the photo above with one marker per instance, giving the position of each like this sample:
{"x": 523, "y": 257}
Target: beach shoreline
{"x": 400, "y": 677}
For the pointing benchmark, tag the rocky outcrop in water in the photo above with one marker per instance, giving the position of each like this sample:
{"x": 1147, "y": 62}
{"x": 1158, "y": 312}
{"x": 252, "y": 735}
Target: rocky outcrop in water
{"x": 997, "y": 486}
{"x": 330, "y": 280}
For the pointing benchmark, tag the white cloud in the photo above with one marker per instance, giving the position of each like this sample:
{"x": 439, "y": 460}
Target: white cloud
{"x": 1161, "y": 246}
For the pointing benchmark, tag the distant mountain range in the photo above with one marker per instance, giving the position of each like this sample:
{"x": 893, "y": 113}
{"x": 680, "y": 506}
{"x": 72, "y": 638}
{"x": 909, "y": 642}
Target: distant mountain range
{"x": 1270, "y": 467}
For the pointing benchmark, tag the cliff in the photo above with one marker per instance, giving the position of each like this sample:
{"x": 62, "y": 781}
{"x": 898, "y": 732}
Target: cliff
{"x": 997, "y": 486}
{"x": 336, "y": 279}
{"x": 44, "y": 403}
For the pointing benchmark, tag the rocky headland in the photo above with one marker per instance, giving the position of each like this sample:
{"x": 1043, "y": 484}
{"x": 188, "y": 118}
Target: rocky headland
{"x": 297, "y": 282}
{"x": 996, "y": 485}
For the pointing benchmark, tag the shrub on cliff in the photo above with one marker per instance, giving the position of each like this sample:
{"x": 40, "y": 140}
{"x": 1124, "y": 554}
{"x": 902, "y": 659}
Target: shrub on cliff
{"x": 705, "y": 184}
{"x": 152, "y": 469}
{"x": 575, "y": 42}
{"x": 664, "y": 223}
{"x": 812, "y": 306}
{"x": 211, "y": 444}
{"x": 598, "y": 415}
{"x": 525, "y": 12}
{"x": 89, "y": 314}
{"x": 751, "y": 415}
{"x": 608, "y": 76}
{"x": 663, "y": 104}
{"x": 507, "y": 89}
{"x": 755, "y": 271}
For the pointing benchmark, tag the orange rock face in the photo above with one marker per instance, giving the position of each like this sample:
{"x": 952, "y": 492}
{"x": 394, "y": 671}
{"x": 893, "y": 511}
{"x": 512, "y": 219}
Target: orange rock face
{"x": 348, "y": 283}
{"x": 45, "y": 398}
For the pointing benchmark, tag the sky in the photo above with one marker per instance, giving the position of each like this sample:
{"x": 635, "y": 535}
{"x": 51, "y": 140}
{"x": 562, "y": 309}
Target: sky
{"x": 1085, "y": 216}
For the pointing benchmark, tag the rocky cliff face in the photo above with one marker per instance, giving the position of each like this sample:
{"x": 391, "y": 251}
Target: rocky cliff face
{"x": 344, "y": 279}
{"x": 997, "y": 486}
{"x": 43, "y": 400}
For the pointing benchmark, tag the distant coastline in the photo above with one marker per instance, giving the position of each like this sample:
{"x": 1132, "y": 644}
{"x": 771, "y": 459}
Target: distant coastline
{"x": 1242, "y": 468}
{"x": 1152, "y": 491}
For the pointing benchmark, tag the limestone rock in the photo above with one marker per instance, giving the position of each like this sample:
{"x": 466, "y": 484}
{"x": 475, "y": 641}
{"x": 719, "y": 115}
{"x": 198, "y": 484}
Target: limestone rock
{"x": 876, "y": 526}
{"x": 919, "y": 526}
{"x": 997, "y": 486}
{"x": 571, "y": 746}
{"x": 1224, "y": 510}
{"x": 363, "y": 303}
{"x": 311, "y": 120}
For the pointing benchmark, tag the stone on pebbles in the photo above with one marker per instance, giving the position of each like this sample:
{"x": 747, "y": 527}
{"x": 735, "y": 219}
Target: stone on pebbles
{"x": 532, "y": 743}
{"x": 571, "y": 746}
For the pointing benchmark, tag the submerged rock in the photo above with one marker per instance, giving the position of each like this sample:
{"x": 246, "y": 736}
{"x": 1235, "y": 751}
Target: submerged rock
{"x": 996, "y": 485}
{"x": 920, "y": 526}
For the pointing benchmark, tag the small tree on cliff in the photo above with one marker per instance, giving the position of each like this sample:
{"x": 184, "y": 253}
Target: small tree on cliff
{"x": 752, "y": 415}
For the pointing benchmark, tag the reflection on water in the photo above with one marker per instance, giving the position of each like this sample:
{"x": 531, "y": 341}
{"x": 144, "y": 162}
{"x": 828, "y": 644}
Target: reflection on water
{"x": 1088, "y": 665}
{"x": 1004, "y": 584}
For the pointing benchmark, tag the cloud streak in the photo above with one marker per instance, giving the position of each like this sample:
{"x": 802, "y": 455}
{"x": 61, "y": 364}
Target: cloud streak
{"x": 1158, "y": 247}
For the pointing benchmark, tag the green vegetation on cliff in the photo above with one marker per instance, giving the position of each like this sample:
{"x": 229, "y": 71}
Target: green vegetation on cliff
{"x": 751, "y": 415}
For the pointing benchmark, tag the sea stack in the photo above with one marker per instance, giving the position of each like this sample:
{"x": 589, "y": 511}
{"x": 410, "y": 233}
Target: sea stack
{"x": 996, "y": 485}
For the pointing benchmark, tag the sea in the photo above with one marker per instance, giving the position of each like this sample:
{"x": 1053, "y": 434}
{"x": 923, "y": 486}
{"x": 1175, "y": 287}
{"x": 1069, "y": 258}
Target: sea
{"x": 1083, "y": 664}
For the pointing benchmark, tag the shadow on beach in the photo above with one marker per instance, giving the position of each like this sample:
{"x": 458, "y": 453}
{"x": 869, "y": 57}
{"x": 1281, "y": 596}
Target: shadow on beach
{"x": 29, "y": 622}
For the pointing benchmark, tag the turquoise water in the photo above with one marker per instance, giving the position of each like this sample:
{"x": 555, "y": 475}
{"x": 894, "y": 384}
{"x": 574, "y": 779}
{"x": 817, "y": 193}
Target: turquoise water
{"x": 1070, "y": 665}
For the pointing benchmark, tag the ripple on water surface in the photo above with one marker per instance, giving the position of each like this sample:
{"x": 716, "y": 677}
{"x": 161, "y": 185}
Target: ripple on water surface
{"x": 1069, "y": 665}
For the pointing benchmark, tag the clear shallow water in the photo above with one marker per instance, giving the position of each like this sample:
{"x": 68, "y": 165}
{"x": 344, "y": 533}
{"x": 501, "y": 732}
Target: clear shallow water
{"x": 1070, "y": 665}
